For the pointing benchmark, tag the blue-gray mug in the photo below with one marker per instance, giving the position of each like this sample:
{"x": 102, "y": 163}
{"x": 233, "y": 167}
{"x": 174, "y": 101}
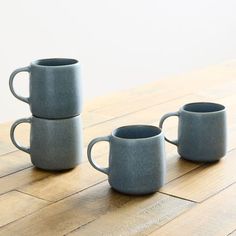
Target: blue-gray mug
{"x": 137, "y": 162}
{"x": 202, "y": 131}
{"x": 55, "y": 88}
{"x": 54, "y": 144}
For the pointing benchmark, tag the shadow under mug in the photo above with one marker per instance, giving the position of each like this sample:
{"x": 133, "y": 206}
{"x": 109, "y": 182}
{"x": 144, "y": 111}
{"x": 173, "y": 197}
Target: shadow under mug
{"x": 137, "y": 162}
{"x": 202, "y": 131}
{"x": 54, "y": 144}
{"x": 55, "y": 88}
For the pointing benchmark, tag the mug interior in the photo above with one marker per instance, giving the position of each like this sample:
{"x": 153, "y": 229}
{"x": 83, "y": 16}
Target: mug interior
{"x": 203, "y": 107}
{"x": 56, "y": 62}
{"x": 136, "y": 131}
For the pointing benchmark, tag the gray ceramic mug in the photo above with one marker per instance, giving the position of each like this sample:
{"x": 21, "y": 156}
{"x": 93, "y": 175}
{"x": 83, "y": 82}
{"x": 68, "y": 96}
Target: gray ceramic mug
{"x": 55, "y": 88}
{"x": 54, "y": 144}
{"x": 202, "y": 131}
{"x": 137, "y": 162}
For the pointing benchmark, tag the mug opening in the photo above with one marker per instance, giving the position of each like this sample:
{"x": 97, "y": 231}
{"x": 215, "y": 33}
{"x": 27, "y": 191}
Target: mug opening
{"x": 136, "y": 132}
{"x": 56, "y": 62}
{"x": 203, "y": 107}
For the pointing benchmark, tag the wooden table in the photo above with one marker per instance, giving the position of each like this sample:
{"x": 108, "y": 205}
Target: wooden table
{"x": 198, "y": 199}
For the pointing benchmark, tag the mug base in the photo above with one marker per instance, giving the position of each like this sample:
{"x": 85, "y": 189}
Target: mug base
{"x": 55, "y": 169}
{"x": 201, "y": 160}
{"x": 134, "y": 193}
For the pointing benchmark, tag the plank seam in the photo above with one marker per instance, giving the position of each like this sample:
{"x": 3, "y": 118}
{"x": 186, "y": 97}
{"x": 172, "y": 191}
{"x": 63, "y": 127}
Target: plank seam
{"x": 234, "y": 231}
{"x": 81, "y": 226}
{"x": 16, "y": 171}
{"x": 32, "y": 195}
{"x": 182, "y": 198}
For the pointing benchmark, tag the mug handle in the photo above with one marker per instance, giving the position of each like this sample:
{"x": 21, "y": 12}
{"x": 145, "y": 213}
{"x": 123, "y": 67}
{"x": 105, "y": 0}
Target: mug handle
{"x": 175, "y": 142}
{"x": 90, "y": 158}
{"x": 12, "y": 134}
{"x": 12, "y": 76}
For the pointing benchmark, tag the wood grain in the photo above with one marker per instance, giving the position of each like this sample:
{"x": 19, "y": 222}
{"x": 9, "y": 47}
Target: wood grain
{"x": 214, "y": 217}
{"x": 90, "y": 119}
{"x": 15, "y": 205}
{"x": 85, "y": 176}
{"x": 194, "y": 81}
{"x": 145, "y": 116}
{"x": 66, "y": 215}
{"x": 13, "y": 162}
{"x": 20, "y": 178}
{"x": 79, "y": 209}
{"x": 66, "y": 183}
{"x": 205, "y": 181}
{"x": 139, "y": 216}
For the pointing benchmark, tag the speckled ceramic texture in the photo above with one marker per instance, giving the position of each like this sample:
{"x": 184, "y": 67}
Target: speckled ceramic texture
{"x": 54, "y": 144}
{"x": 55, "y": 88}
{"x": 202, "y": 131}
{"x": 137, "y": 162}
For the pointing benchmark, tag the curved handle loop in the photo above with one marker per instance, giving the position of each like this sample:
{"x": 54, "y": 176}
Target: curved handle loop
{"x": 12, "y": 76}
{"x": 175, "y": 142}
{"x": 12, "y": 134}
{"x": 90, "y": 158}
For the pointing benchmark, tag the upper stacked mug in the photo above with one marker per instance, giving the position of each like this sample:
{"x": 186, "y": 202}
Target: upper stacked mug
{"x": 55, "y": 88}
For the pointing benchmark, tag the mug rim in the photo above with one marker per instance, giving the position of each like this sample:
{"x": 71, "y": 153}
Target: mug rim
{"x": 73, "y": 62}
{"x": 138, "y": 125}
{"x": 221, "y": 109}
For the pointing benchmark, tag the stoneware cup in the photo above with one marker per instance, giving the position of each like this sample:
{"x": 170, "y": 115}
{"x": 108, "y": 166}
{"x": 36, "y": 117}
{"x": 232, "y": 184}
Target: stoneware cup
{"x": 137, "y": 162}
{"x": 201, "y": 131}
{"x": 54, "y": 144}
{"x": 55, "y": 88}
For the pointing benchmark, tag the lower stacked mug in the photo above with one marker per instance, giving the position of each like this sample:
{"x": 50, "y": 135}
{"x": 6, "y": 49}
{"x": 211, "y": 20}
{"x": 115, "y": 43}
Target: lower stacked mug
{"x": 54, "y": 144}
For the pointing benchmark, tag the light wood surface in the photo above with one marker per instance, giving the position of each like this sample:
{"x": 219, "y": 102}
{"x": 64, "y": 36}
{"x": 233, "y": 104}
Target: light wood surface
{"x": 198, "y": 198}
{"x": 15, "y": 205}
{"x": 216, "y": 216}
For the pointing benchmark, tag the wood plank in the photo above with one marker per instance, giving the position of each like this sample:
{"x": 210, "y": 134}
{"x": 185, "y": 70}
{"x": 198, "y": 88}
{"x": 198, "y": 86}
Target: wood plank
{"x": 148, "y": 116}
{"x": 218, "y": 91}
{"x": 161, "y": 95}
{"x": 216, "y": 216}
{"x": 90, "y": 119}
{"x": 20, "y": 178}
{"x": 66, "y": 183}
{"x": 157, "y": 97}
{"x": 79, "y": 209}
{"x": 195, "y": 80}
{"x": 17, "y": 171}
{"x": 191, "y": 185}
{"x": 68, "y": 214}
{"x": 84, "y": 176}
{"x": 13, "y": 162}
{"x": 140, "y": 216}
{"x": 15, "y": 205}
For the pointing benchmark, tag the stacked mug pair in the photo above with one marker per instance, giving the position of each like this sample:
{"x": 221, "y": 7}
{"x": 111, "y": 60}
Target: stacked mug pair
{"x": 137, "y": 163}
{"x": 55, "y": 100}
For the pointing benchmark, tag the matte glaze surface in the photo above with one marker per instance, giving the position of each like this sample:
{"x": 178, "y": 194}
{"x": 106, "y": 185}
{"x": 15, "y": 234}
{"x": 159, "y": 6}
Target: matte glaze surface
{"x": 55, "y": 88}
{"x": 202, "y": 131}
{"x": 137, "y": 162}
{"x": 54, "y": 144}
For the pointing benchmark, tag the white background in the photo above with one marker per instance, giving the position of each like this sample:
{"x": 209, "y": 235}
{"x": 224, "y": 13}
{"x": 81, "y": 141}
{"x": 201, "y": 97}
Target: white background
{"x": 120, "y": 43}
